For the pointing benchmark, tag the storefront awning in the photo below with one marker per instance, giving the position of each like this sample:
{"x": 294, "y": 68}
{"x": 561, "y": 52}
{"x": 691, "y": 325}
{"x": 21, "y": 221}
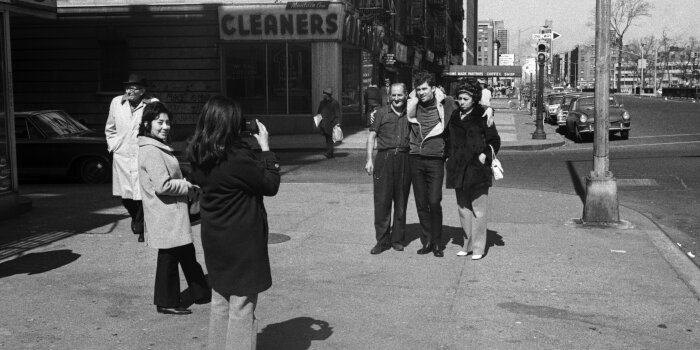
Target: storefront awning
{"x": 483, "y": 71}
{"x": 37, "y": 8}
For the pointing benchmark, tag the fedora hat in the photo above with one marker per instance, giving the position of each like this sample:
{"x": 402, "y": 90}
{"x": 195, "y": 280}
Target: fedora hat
{"x": 135, "y": 79}
{"x": 328, "y": 91}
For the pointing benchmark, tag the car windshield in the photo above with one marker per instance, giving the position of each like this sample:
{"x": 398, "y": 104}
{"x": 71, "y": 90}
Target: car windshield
{"x": 554, "y": 100}
{"x": 58, "y": 123}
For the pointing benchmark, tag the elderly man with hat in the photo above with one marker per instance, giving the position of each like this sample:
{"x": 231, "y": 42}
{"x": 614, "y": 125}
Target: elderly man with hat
{"x": 329, "y": 109}
{"x": 121, "y": 130}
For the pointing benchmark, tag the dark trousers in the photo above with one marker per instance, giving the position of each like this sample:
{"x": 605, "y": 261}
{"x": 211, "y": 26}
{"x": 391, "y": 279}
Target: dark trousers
{"x": 392, "y": 184}
{"x": 167, "y": 288}
{"x": 427, "y": 174}
{"x": 135, "y": 209}
{"x": 329, "y": 144}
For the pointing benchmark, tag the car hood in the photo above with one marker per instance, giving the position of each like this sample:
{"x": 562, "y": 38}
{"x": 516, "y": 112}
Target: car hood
{"x": 614, "y": 113}
{"x": 87, "y": 136}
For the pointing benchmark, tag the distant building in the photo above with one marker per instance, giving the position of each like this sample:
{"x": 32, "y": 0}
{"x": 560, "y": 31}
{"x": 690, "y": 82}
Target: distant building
{"x": 502, "y": 37}
{"x": 485, "y": 42}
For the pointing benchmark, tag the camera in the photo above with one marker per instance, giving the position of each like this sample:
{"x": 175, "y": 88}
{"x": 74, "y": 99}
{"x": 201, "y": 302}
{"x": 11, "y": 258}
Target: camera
{"x": 250, "y": 127}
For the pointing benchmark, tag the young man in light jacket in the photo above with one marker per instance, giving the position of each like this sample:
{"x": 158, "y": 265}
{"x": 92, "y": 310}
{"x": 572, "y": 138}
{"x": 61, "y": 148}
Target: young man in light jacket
{"x": 428, "y": 110}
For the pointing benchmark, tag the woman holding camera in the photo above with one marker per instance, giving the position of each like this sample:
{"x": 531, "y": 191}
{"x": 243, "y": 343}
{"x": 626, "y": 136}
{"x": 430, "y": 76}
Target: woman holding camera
{"x": 167, "y": 223}
{"x": 470, "y": 144}
{"x": 233, "y": 181}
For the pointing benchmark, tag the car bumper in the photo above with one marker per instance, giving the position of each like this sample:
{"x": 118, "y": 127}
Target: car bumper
{"x": 613, "y": 127}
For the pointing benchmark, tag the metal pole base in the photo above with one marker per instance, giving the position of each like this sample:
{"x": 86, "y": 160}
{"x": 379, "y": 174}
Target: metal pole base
{"x": 601, "y": 200}
{"x": 539, "y": 135}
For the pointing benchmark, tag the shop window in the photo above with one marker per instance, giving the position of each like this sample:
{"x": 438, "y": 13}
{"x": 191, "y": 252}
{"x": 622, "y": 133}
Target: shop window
{"x": 350, "y": 97}
{"x": 113, "y": 66}
{"x": 269, "y": 78}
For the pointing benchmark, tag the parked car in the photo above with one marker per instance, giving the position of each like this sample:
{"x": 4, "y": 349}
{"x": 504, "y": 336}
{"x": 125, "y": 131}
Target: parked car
{"x": 52, "y": 143}
{"x": 551, "y": 104}
{"x": 581, "y": 117}
{"x": 564, "y": 106}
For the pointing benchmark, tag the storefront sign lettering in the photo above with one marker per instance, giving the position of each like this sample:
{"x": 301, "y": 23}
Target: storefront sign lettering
{"x": 279, "y": 24}
{"x": 307, "y": 5}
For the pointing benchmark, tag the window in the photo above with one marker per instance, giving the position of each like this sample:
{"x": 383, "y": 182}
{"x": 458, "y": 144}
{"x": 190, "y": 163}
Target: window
{"x": 270, "y": 78}
{"x": 113, "y": 69}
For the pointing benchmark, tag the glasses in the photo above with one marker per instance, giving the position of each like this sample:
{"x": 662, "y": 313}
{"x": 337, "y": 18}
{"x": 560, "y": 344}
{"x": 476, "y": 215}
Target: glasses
{"x": 134, "y": 88}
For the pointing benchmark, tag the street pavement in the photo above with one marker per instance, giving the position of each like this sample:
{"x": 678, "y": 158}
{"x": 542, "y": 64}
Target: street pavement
{"x": 73, "y": 276}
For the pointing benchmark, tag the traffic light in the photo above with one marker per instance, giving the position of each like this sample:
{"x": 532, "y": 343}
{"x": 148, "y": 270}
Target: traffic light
{"x": 542, "y": 52}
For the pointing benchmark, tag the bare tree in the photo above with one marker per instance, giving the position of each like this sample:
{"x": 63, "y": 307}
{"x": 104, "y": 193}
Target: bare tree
{"x": 666, "y": 43}
{"x": 623, "y": 13}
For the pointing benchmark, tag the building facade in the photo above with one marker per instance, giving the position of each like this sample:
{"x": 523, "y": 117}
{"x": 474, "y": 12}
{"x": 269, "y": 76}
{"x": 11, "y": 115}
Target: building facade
{"x": 485, "y": 44}
{"x": 274, "y": 57}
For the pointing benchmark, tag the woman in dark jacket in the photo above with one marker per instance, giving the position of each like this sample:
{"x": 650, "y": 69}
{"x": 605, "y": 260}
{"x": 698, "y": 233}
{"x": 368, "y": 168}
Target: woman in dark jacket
{"x": 233, "y": 181}
{"x": 470, "y": 144}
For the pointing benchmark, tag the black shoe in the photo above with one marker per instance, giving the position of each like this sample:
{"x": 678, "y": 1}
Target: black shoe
{"x": 397, "y": 247}
{"x": 137, "y": 229}
{"x": 378, "y": 249}
{"x": 203, "y": 300}
{"x": 438, "y": 253}
{"x": 427, "y": 248}
{"x": 140, "y": 237}
{"x": 173, "y": 310}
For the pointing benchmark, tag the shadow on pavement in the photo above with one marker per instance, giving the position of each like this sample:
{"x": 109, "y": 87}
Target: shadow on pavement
{"x": 454, "y": 235}
{"x": 576, "y": 181}
{"x": 294, "y": 334}
{"x": 36, "y": 263}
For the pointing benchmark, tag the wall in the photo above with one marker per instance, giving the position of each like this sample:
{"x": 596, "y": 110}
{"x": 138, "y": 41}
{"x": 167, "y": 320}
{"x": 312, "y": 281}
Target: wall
{"x": 57, "y": 63}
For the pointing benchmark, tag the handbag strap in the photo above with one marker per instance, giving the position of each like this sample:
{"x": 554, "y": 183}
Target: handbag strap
{"x": 493, "y": 154}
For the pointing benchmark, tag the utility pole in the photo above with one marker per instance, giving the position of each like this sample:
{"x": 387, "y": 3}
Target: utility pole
{"x": 601, "y": 205}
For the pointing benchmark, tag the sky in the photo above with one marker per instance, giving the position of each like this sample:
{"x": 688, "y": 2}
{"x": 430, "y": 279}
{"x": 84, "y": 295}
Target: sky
{"x": 680, "y": 19}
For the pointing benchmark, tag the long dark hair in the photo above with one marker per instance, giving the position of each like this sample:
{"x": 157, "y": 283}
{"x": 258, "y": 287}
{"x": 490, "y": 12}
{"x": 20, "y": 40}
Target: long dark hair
{"x": 150, "y": 113}
{"x": 218, "y": 129}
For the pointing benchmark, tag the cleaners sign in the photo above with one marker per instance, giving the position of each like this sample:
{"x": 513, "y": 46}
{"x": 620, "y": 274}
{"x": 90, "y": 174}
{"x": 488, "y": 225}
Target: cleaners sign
{"x": 246, "y": 23}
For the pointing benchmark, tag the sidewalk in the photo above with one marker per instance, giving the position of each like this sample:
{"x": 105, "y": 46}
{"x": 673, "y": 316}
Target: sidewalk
{"x": 515, "y": 128}
{"x": 81, "y": 281}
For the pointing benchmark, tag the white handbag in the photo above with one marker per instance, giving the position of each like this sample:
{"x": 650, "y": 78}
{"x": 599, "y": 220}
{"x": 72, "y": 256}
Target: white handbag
{"x": 337, "y": 134}
{"x": 496, "y": 166}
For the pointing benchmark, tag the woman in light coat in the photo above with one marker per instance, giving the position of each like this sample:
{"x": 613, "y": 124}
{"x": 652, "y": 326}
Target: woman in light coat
{"x": 167, "y": 223}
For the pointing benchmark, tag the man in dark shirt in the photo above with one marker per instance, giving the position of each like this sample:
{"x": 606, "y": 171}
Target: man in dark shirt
{"x": 427, "y": 114}
{"x": 392, "y": 178}
{"x": 329, "y": 108}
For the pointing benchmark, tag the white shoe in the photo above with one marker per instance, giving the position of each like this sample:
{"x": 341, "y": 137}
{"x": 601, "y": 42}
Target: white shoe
{"x": 477, "y": 257}
{"x": 462, "y": 253}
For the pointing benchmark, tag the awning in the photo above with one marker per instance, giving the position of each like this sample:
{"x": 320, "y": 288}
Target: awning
{"x": 483, "y": 71}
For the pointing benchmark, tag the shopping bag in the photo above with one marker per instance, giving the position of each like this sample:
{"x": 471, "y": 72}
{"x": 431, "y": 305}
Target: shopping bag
{"x": 337, "y": 134}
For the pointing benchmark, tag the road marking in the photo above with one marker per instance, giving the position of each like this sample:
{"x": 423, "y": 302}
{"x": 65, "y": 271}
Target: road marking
{"x": 636, "y": 182}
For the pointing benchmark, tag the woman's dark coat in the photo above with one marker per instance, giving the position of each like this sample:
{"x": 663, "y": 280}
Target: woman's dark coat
{"x": 465, "y": 140}
{"x": 234, "y": 220}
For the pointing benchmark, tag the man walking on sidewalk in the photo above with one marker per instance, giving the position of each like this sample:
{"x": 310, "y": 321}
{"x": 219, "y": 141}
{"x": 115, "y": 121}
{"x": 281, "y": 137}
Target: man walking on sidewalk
{"x": 427, "y": 115}
{"x": 121, "y": 131}
{"x": 330, "y": 110}
{"x": 392, "y": 176}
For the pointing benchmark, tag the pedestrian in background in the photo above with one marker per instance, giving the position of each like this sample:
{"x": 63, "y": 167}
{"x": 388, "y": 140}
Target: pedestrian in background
{"x": 385, "y": 93}
{"x": 233, "y": 181}
{"x": 470, "y": 144}
{"x": 329, "y": 109}
{"x": 372, "y": 102}
{"x": 121, "y": 130}
{"x": 392, "y": 175}
{"x": 427, "y": 115}
{"x": 167, "y": 222}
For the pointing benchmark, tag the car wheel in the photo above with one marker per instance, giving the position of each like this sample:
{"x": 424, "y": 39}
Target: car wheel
{"x": 93, "y": 170}
{"x": 625, "y": 134}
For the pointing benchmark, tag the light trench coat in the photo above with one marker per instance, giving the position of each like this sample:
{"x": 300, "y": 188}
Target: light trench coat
{"x": 164, "y": 191}
{"x": 121, "y": 130}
